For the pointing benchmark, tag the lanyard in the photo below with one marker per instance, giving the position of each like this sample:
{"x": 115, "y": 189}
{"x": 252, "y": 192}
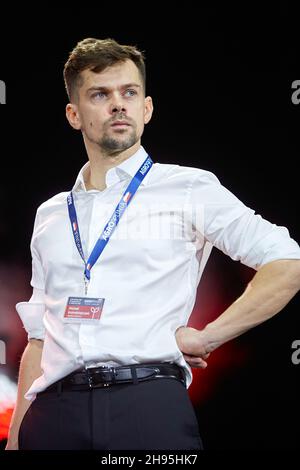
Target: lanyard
{"x": 111, "y": 224}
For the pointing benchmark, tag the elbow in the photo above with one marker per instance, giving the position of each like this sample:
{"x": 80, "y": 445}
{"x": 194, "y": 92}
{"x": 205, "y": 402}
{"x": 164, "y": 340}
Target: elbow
{"x": 292, "y": 273}
{"x": 286, "y": 272}
{"x": 298, "y": 278}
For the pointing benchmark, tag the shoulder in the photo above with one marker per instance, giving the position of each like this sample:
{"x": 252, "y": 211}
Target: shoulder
{"x": 200, "y": 185}
{"x": 54, "y": 203}
{"x": 186, "y": 174}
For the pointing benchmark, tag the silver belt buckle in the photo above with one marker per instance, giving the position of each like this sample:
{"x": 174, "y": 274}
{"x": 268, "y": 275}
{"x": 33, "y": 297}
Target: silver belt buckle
{"x": 99, "y": 384}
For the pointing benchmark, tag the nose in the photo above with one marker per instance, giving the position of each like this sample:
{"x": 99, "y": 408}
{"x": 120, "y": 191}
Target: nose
{"x": 117, "y": 105}
{"x": 118, "y": 109}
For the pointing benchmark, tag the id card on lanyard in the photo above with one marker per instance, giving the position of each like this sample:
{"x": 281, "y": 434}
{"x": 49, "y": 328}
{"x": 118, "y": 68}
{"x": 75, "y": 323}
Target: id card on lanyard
{"x": 89, "y": 309}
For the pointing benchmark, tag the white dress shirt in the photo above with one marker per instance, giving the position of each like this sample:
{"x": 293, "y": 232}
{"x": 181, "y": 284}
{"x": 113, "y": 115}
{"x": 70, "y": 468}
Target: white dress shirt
{"x": 149, "y": 271}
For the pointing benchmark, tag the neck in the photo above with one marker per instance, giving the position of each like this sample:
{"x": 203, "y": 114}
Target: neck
{"x": 100, "y": 164}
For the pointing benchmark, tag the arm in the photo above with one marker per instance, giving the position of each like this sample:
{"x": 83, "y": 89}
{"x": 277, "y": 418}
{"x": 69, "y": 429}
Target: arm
{"x": 30, "y": 369}
{"x": 272, "y": 287}
{"x": 227, "y": 224}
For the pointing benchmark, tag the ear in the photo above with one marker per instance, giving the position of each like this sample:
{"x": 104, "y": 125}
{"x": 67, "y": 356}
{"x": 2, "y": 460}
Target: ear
{"x": 148, "y": 109}
{"x": 72, "y": 115}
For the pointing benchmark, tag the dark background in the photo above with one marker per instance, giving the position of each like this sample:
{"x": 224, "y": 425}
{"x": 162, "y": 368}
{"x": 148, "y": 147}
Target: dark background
{"x": 221, "y": 84}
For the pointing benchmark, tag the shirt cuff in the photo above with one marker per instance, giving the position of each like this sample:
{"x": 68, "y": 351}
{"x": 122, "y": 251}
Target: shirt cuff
{"x": 31, "y": 314}
{"x": 274, "y": 246}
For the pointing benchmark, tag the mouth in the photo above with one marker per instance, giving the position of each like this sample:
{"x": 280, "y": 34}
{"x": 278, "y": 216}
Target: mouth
{"x": 120, "y": 124}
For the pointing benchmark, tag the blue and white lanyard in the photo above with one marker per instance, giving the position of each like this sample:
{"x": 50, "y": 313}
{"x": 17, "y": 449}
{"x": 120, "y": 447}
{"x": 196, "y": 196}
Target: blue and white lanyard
{"x": 111, "y": 224}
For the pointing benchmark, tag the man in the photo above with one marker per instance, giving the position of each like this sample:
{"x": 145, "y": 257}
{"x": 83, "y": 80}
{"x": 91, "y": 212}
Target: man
{"x": 116, "y": 264}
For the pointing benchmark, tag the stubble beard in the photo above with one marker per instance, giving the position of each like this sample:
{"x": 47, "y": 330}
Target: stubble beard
{"x": 111, "y": 145}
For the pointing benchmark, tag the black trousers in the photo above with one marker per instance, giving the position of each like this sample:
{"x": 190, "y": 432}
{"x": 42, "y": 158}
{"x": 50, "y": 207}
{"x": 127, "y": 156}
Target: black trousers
{"x": 151, "y": 415}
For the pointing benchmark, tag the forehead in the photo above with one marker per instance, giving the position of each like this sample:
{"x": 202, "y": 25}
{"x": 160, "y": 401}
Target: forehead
{"x": 113, "y": 76}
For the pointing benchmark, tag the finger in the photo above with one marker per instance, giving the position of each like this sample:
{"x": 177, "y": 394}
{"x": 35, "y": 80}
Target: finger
{"x": 195, "y": 358}
{"x": 200, "y": 364}
{"x": 205, "y": 356}
{"x": 197, "y": 362}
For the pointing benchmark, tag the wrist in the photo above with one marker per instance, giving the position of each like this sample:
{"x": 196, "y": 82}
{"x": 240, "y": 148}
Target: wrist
{"x": 15, "y": 424}
{"x": 210, "y": 337}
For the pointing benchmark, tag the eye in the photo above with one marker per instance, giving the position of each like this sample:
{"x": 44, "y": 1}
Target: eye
{"x": 130, "y": 92}
{"x": 99, "y": 94}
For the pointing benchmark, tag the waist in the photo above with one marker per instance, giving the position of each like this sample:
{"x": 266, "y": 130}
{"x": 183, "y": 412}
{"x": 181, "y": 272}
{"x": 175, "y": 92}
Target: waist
{"x": 106, "y": 376}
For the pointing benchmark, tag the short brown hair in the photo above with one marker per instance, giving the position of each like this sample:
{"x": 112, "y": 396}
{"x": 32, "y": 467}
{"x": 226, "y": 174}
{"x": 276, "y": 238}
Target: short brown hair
{"x": 95, "y": 55}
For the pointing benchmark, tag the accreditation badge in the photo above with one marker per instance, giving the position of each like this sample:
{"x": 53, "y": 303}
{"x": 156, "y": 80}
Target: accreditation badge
{"x": 83, "y": 310}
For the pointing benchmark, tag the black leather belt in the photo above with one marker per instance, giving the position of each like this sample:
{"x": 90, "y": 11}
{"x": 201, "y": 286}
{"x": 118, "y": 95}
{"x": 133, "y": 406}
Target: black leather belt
{"x": 105, "y": 376}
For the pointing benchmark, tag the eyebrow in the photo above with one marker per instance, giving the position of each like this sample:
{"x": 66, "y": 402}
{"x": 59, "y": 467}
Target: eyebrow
{"x": 106, "y": 88}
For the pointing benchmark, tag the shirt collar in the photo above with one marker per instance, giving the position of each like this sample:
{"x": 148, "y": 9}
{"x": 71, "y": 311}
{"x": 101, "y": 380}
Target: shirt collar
{"x": 124, "y": 170}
